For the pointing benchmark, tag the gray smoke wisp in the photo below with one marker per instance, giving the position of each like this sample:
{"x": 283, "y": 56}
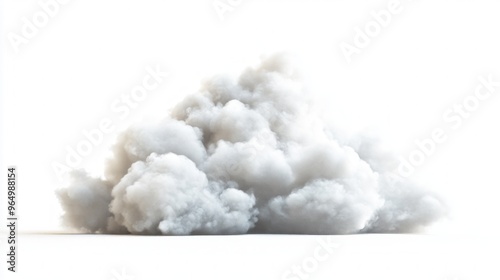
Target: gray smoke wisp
{"x": 246, "y": 156}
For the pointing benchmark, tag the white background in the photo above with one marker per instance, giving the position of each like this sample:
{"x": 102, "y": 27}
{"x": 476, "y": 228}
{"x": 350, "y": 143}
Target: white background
{"x": 428, "y": 58}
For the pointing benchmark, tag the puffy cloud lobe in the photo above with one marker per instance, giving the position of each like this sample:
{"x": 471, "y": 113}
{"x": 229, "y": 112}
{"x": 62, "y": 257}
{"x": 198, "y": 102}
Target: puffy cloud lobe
{"x": 167, "y": 194}
{"x": 247, "y": 155}
{"x": 86, "y": 202}
{"x": 322, "y": 206}
{"x": 406, "y": 207}
{"x": 138, "y": 142}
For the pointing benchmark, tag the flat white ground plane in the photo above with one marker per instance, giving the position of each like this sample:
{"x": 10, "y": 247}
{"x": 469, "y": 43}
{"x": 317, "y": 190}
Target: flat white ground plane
{"x": 369, "y": 256}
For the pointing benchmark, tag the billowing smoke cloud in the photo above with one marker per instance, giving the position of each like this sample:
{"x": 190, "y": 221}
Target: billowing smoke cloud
{"x": 247, "y": 156}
